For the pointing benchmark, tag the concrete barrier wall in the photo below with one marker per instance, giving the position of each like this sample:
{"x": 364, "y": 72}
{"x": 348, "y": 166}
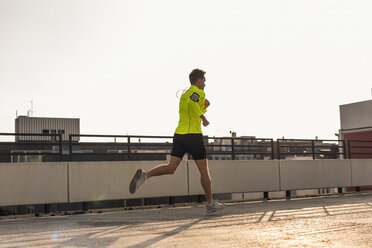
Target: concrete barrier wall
{"x": 93, "y": 181}
{"x": 42, "y": 183}
{"x": 32, "y": 183}
{"x": 314, "y": 174}
{"x": 237, "y": 176}
{"x": 361, "y": 170}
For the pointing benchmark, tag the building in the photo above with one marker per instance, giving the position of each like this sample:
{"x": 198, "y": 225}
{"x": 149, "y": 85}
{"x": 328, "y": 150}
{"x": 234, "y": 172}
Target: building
{"x": 239, "y": 148}
{"x": 356, "y": 129}
{"x": 43, "y": 125}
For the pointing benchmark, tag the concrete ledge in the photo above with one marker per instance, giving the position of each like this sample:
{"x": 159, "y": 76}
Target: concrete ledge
{"x": 62, "y": 182}
{"x": 314, "y": 174}
{"x": 237, "y": 176}
{"x": 33, "y": 183}
{"x": 361, "y": 172}
{"x": 95, "y": 181}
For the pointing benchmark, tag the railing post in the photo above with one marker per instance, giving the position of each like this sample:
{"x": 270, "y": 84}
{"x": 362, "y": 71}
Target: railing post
{"x": 232, "y": 149}
{"x": 85, "y": 206}
{"x": 313, "y": 149}
{"x": 349, "y": 149}
{"x": 60, "y": 147}
{"x": 70, "y": 147}
{"x": 46, "y": 208}
{"x": 344, "y": 148}
{"x": 272, "y": 149}
{"x": 129, "y": 148}
{"x": 278, "y": 148}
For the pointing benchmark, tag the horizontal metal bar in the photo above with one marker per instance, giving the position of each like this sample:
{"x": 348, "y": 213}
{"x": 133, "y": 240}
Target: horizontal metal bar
{"x": 168, "y": 137}
{"x": 29, "y": 134}
{"x": 118, "y": 154}
{"x": 122, "y": 144}
{"x": 282, "y": 140}
{"x": 30, "y": 153}
{"x": 310, "y": 153}
{"x": 240, "y": 138}
{"x": 236, "y": 153}
{"x": 212, "y": 145}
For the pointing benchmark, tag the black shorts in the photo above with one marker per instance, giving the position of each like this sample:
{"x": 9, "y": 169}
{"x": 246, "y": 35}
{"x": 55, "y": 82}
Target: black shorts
{"x": 192, "y": 144}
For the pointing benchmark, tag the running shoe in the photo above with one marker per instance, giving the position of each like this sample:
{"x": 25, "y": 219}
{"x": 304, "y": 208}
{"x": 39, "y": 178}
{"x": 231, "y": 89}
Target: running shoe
{"x": 215, "y": 207}
{"x": 138, "y": 179}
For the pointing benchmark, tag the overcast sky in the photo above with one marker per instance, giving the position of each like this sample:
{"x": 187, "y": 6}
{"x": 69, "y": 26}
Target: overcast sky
{"x": 274, "y": 68}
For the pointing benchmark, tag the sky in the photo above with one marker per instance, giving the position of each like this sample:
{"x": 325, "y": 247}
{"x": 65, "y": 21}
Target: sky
{"x": 274, "y": 68}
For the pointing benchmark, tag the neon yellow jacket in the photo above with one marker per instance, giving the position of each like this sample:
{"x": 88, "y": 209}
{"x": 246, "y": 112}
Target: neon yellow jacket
{"x": 191, "y": 108}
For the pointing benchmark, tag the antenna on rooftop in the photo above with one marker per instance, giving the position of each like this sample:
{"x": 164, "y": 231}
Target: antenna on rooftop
{"x": 30, "y": 112}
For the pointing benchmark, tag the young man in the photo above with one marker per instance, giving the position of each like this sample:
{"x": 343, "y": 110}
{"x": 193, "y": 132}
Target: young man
{"x": 188, "y": 138}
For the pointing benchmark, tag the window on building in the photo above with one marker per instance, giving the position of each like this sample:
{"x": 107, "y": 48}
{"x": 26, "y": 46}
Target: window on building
{"x": 45, "y": 131}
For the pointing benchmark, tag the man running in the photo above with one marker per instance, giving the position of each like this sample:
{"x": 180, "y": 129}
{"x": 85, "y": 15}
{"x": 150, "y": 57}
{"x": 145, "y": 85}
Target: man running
{"x": 188, "y": 138}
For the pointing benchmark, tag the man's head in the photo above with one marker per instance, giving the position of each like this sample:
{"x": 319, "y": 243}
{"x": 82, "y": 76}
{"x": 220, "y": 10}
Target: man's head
{"x": 197, "y": 78}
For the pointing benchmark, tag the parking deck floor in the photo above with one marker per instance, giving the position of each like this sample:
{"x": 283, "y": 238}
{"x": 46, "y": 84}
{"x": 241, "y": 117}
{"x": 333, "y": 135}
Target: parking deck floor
{"x": 323, "y": 221}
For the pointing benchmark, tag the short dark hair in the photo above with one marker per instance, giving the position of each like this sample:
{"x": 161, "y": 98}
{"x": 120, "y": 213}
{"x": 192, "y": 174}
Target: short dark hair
{"x": 195, "y": 75}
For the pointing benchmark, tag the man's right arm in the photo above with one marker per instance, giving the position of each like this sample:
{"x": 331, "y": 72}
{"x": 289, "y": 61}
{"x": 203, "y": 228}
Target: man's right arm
{"x": 205, "y": 121}
{"x": 206, "y": 104}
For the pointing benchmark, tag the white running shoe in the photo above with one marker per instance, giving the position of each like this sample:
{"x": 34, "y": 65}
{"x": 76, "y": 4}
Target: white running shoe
{"x": 215, "y": 207}
{"x": 138, "y": 179}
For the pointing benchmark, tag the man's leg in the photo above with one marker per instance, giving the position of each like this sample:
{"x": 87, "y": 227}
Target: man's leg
{"x": 205, "y": 178}
{"x": 164, "y": 169}
{"x": 140, "y": 176}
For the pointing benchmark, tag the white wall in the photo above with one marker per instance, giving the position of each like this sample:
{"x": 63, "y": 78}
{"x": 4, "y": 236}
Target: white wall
{"x": 314, "y": 174}
{"x": 32, "y": 183}
{"x": 237, "y": 176}
{"x": 92, "y": 181}
{"x": 42, "y": 183}
{"x": 356, "y": 115}
{"x": 361, "y": 172}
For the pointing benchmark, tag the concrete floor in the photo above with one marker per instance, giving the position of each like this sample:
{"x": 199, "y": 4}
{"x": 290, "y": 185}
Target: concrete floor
{"x": 328, "y": 221}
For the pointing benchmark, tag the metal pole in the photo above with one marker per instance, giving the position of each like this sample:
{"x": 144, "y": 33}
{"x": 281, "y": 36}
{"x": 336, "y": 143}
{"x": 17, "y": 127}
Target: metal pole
{"x": 60, "y": 147}
{"x": 70, "y": 147}
{"x": 344, "y": 147}
{"x": 313, "y": 149}
{"x": 232, "y": 149}
{"x": 278, "y": 148}
{"x": 272, "y": 149}
{"x": 349, "y": 149}
{"x": 128, "y": 148}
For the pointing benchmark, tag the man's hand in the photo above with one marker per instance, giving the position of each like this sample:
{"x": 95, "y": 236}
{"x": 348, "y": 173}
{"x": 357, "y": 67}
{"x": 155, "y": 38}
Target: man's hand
{"x": 205, "y": 121}
{"x": 206, "y": 103}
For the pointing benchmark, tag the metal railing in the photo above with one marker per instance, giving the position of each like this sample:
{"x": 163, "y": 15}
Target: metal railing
{"x": 126, "y": 147}
{"x": 308, "y": 147}
{"x": 34, "y": 152}
{"x": 234, "y": 147}
{"x": 241, "y": 146}
{"x": 127, "y": 150}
